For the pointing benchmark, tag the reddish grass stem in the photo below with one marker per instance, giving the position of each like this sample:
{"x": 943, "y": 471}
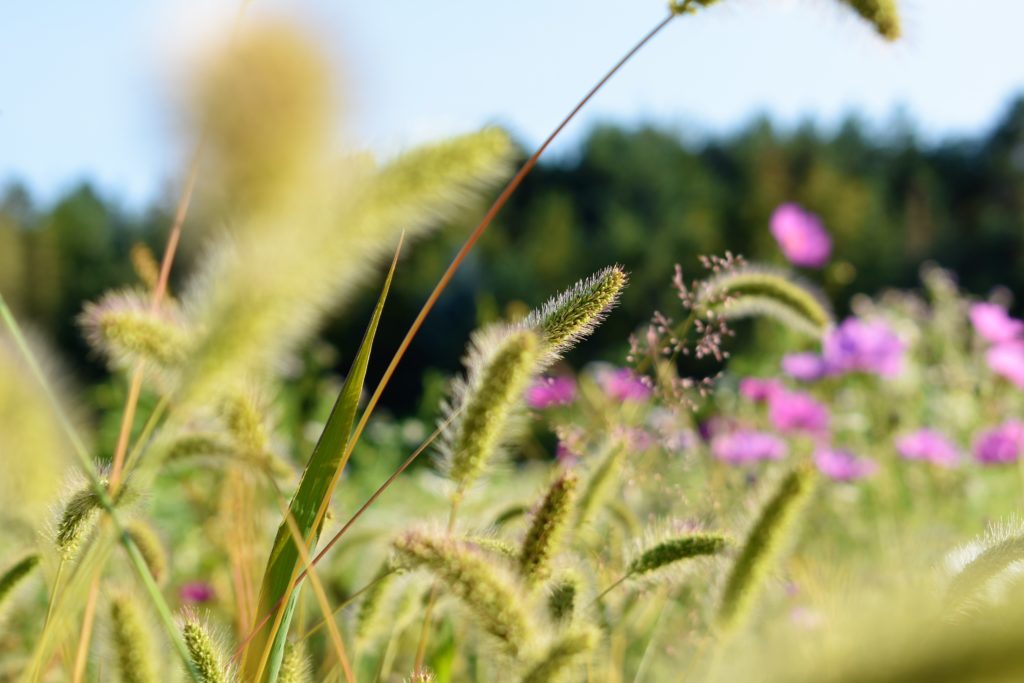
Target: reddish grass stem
{"x": 442, "y": 284}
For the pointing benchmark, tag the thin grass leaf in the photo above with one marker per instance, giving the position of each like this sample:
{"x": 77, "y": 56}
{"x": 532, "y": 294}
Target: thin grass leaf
{"x": 308, "y": 507}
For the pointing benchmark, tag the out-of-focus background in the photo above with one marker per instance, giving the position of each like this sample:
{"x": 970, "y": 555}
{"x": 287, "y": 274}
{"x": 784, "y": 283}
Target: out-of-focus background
{"x": 909, "y": 152}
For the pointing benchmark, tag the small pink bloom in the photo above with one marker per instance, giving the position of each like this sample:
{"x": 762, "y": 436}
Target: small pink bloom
{"x": 843, "y": 465}
{"x": 793, "y": 411}
{"x": 1001, "y": 444}
{"x": 806, "y": 367}
{"x": 861, "y": 346}
{"x": 551, "y": 391}
{"x": 625, "y": 385}
{"x": 758, "y": 389}
{"x": 196, "y": 592}
{"x": 801, "y": 236}
{"x": 1007, "y": 360}
{"x": 993, "y": 323}
{"x": 744, "y": 446}
{"x": 928, "y": 445}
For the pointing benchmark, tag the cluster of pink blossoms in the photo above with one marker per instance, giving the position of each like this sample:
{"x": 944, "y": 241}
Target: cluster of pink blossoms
{"x": 1005, "y": 356}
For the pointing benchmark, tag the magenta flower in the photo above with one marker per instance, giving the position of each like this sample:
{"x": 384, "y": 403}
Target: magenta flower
{"x": 1007, "y": 360}
{"x": 805, "y": 367}
{"x": 793, "y": 411}
{"x": 842, "y": 465}
{"x": 758, "y": 389}
{"x": 861, "y": 346}
{"x": 1001, "y": 444}
{"x": 928, "y": 445}
{"x": 744, "y": 446}
{"x": 551, "y": 391}
{"x": 993, "y": 323}
{"x": 196, "y": 592}
{"x": 801, "y": 236}
{"x": 625, "y": 385}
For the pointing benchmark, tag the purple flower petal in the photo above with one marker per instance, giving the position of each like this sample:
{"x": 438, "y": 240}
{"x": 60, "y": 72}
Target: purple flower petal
{"x": 805, "y": 367}
{"x": 861, "y": 346}
{"x": 801, "y": 236}
{"x": 1007, "y": 360}
{"x": 758, "y": 390}
{"x": 551, "y": 391}
{"x": 928, "y": 445}
{"x": 744, "y": 446}
{"x": 993, "y": 323}
{"x": 625, "y": 385}
{"x": 1001, "y": 444}
{"x": 196, "y": 592}
{"x": 842, "y": 465}
{"x": 793, "y": 411}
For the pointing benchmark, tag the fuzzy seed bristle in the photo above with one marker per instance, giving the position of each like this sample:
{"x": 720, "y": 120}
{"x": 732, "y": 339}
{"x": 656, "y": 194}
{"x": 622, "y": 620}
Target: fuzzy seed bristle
{"x": 206, "y": 658}
{"x": 562, "y": 597}
{"x": 572, "y": 315}
{"x": 497, "y": 377}
{"x": 544, "y": 534}
{"x": 491, "y": 597}
{"x": 131, "y": 642}
{"x": 675, "y": 550}
{"x": 764, "y": 544}
{"x": 295, "y": 667}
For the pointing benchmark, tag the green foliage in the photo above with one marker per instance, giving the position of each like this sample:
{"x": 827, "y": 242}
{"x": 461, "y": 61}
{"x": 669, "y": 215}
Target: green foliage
{"x": 309, "y": 504}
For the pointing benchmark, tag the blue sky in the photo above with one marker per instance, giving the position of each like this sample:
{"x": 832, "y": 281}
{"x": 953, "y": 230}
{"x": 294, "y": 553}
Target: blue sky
{"x": 87, "y": 90}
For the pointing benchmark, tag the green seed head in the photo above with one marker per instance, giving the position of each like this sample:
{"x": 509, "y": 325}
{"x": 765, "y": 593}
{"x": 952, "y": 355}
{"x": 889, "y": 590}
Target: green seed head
{"x": 556, "y": 663}
{"x": 674, "y": 550}
{"x": 206, "y": 657}
{"x": 131, "y": 641}
{"x": 10, "y": 579}
{"x": 542, "y": 539}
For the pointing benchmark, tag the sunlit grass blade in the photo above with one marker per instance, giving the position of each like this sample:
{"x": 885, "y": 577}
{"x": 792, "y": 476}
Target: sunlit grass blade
{"x": 307, "y": 509}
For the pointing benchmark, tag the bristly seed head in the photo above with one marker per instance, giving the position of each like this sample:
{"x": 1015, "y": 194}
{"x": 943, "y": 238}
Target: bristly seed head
{"x": 549, "y": 521}
{"x": 491, "y": 597}
{"x": 674, "y": 550}
{"x": 573, "y": 314}
{"x": 131, "y": 641}
{"x": 487, "y": 400}
{"x": 561, "y": 655}
{"x": 883, "y": 14}
{"x": 208, "y": 661}
{"x": 562, "y": 597}
{"x": 13, "y": 576}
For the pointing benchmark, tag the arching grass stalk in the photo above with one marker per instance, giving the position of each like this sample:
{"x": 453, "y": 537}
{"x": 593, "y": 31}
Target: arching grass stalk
{"x": 675, "y": 10}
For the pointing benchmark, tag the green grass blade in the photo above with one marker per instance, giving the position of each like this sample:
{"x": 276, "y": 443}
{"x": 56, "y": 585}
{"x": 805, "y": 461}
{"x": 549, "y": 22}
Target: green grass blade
{"x": 307, "y": 508}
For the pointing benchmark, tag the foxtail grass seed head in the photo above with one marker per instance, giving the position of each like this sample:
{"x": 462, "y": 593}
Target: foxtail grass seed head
{"x": 777, "y": 523}
{"x": 77, "y": 519}
{"x": 674, "y": 550}
{"x": 541, "y": 542}
{"x": 295, "y": 667}
{"x": 747, "y": 291}
{"x": 497, "y": 546}
{"x": 14, "y": 575}
{"x": 243, "y": 415}
{"x": 599, "y": 485}
{"x": 562, "y": 594}
{"x": 883, "y": 14}
{"x": 150, "y": 547}
{"x": 424, "y": 675}
{"x": 207, "y": 659}
{"x": 131, "y": 642}
{"x": 979, "y": 565}
{"x": 123, "y": 327}
{"x": 489, "y": 595}
{"x": 572, "y": 315}
{"x": 557, "y": 662}
{"x": 500, "y": 365}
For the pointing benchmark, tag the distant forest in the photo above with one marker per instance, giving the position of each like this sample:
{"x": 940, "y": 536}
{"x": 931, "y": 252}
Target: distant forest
{"x": 641, "y": 197}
